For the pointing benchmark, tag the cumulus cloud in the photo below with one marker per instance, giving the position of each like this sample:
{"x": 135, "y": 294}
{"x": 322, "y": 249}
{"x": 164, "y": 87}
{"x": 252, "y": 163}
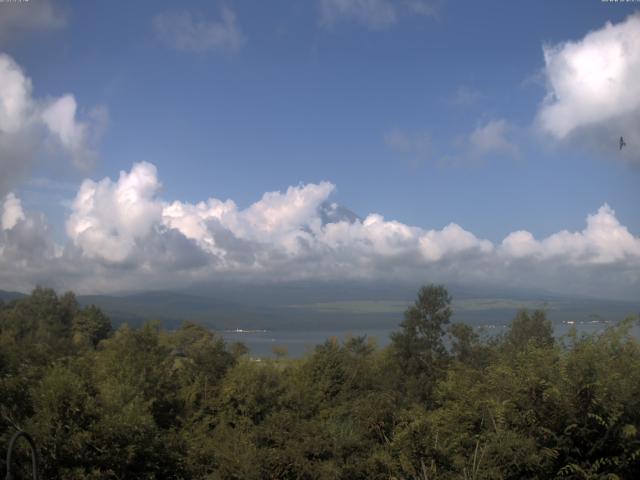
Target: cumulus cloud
{"x": 29, "y": 125}
{"x": 19, "y": 18}
{"x": 60, "y": 117}
{"x": 123, "y": 235}
{"x": 184, "y": 31}
{"x": 17, "y": 122}
{"x": 373, "y": 14}
{"x": 593, "y": 89}
{"x": 108, "y": 217}
{"x": 12, "y": 212}
{"x": 281, "y": 236}
{"x": 27, "y": 251}
{"x": 603, "y": 241}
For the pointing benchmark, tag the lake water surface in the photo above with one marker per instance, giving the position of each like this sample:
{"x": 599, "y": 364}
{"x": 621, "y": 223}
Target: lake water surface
{"x": 299, "y": 343}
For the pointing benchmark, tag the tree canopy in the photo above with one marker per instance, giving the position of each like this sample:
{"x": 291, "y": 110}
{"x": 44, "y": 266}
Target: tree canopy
{"x": 441, "y": 401}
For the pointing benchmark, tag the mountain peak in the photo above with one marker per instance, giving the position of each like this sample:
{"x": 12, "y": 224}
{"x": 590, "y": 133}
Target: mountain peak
{"x": 332, "y": 212}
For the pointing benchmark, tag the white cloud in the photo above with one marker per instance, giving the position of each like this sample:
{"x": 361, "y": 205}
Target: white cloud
{"x": 112, "y": 221}
{"x": 492, "y": 138}
{"x": 16, "y": 104}
{"x": 603, "y": 241}
{"x": 20, "y": 18}
{"x": 28, "y": 255}
{"x": 122, "y": 236}
{"x": 107, "y": 218}
{"x": 12, "y": 212}
{"x": 184, "y": 31}
{"x": 593, "y": 88}
{"x": 60, "y": 118}
{"x": 18, "y": 122}
{"x": 277, "y": 212}
{"x": 373, "y": 14}
{"x": 279, "y": 223}
{"x": 520, "y": 244}
{"x": 488, "y": 140}
{"x": 452, "y": 240}
{"x": 28, "y": 125}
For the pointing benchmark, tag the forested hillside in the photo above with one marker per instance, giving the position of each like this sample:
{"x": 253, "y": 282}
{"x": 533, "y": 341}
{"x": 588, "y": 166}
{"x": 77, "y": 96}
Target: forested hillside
{"x": 148, "y": 403}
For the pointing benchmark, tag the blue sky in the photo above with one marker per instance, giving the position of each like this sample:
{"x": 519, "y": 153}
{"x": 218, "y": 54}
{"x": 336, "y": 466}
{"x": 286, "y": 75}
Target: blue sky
{"x": 427, "y": 113}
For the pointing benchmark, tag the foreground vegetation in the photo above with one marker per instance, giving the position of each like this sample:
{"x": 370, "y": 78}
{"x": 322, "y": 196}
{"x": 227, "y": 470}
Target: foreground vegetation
{"x": 147, "y": 403}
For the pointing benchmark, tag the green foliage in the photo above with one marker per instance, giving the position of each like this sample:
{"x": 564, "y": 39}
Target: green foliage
{"x": 64, "y": 413}
{"x": 466, "y": 346}
{"x": 148, "y": 403}
{"x": 418, "y": 347}
{"x": 90, "y": 326}
{"x": 527, "y": 330}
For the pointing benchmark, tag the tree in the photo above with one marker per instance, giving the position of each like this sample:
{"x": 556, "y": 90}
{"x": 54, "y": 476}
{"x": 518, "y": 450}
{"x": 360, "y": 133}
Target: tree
{"x": 418, "y": 347}
{"x": 64, "y": 413}
{"x": 360, "y": 345}
{"x": 199, "y": 361}
{"x": 466, "y": 346}
{"x": 90, "y": 326}
{"x": 137, "y": 400}
{"x": 148, "y": 403}
{"x": 525, "y": 329}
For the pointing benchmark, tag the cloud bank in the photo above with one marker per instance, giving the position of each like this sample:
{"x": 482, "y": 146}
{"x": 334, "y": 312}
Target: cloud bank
{"x": 593, "y": 93}
{"x": 122, "y": 235}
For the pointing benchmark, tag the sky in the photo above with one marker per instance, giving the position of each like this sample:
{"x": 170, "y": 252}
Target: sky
{"x": 163, "y": 145}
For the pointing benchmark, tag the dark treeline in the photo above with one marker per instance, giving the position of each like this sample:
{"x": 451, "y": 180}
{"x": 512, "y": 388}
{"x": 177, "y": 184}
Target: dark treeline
{"x": 147, "y": 403}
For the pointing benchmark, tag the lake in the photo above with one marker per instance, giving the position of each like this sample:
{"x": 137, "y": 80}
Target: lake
{"x": 298, "y": 343}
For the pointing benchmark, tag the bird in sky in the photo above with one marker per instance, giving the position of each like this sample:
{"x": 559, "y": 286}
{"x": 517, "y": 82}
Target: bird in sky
{"x": 622, "y": 143}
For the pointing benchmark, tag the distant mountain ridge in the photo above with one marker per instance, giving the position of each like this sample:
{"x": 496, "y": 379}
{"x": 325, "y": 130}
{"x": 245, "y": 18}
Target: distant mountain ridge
{"x": 303, "y": 307}
{"x": 7, "y": 296}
